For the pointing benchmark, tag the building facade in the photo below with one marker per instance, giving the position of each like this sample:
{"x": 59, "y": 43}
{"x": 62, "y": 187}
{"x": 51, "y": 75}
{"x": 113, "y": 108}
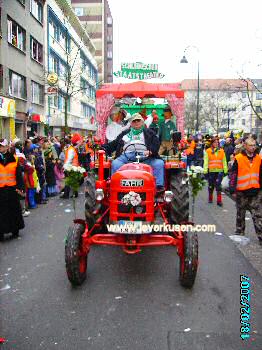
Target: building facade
{"x": 95, "y": 15}
{"x": 223, "y": 105}
{"x": 21, "y": 68}
{"x": 70, "y": 104}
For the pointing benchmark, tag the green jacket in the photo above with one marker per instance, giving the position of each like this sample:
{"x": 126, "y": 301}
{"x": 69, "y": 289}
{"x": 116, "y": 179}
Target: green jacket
{"x": 166, "y": 130}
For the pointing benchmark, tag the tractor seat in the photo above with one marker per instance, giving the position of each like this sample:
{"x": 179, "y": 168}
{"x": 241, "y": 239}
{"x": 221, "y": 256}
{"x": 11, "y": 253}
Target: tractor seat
{"x": 137, "y": 166}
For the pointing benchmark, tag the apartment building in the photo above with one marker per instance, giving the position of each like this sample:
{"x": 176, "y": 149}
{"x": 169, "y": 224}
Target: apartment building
{"x": 95, "y": 15}
{"x": 21, "y": 68}
{"x": 69, "y": 55}
{"x": 223, "y": 105}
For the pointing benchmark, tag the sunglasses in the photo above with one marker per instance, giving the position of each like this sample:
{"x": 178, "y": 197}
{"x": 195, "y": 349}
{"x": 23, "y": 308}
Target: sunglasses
{"x": 136, "y": 120}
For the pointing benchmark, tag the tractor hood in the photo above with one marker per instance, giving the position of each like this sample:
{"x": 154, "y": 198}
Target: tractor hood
{"x": 133, "y": 178}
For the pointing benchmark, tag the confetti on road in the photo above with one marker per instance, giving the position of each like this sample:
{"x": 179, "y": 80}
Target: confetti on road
{"x": 177, "y": 304}
{"x": 68, "y": 210}
{"x": 61, "y": 204}
{"x": 6, "y": 287}
{"x": 119, "y": 297}
{"x": 225, "y": 210}
{"x": 207, "y": 336}
{"x": 9, "y": 269}
{"x": 240, "y": 239}
{"x": 187, "y": 330}
{"x": 247, "y": 219}
{"x": 218, "y": 234}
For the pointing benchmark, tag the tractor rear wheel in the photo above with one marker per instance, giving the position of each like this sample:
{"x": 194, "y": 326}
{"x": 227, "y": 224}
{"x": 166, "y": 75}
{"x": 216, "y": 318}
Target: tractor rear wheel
{"x": 90, "y": 199}
{"x": 189, "y": 260}
{"x": 179, "y": 208}
{"x": 75, "y": 258}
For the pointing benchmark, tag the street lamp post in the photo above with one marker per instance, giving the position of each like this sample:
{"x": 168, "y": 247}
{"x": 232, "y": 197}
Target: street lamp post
{"x": 228, "y": 110}
{"x": 184, "y": 60}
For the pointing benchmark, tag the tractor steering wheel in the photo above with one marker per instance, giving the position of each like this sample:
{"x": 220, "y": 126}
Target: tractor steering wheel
{"x": 138, "y": 154}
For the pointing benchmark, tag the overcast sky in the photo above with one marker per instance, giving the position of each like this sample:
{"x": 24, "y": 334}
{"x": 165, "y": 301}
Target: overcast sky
{"x": 228, "y": 34}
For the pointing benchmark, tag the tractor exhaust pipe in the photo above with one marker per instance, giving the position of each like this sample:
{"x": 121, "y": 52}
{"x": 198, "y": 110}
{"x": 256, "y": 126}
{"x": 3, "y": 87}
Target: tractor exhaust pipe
{"x": 101, "y": 165}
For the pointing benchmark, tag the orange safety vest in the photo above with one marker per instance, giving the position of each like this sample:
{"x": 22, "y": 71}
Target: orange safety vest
{"x": 215, "y": 161}
{"x": 248, "y": 173}
{"x": 75, "y": 159}
{"x": 8, "y": 174}
{"x": 191, "y": 148}
{"x": 89, "y": 149}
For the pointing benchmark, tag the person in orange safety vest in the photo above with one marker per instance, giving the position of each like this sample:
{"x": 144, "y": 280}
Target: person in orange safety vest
{"x": 215, "y": 167}
{"x": 11, "y": 185}
{"x": 71, "y": 157}
{"x": 245, "y": 186}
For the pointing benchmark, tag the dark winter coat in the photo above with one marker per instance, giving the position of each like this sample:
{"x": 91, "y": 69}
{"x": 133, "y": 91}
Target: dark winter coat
{"x": 228, "y": 149}
{"x": 11, "y": 219}
{"x": 40, "y": 168}
{"x": 151, "y": 141}
{"x": 50, "y": 173}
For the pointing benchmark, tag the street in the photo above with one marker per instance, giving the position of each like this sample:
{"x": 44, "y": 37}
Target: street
{"x": 127, "y": 302}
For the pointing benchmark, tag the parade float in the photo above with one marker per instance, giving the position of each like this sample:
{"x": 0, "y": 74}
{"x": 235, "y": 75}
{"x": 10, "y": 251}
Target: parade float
{"x": 129, "y": 196}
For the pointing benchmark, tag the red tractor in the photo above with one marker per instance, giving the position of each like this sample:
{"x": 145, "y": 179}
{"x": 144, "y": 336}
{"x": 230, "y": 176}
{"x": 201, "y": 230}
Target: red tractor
{"x": 106, "y": 205}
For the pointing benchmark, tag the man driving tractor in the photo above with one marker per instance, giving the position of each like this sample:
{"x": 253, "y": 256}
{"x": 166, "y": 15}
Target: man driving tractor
{"x": 137, "y": 139}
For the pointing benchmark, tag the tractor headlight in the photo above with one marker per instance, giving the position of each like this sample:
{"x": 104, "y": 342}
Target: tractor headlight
{"x": 139, "y": 210}
{"x": 168, "y": 196}
{"x": 99, "y": 194}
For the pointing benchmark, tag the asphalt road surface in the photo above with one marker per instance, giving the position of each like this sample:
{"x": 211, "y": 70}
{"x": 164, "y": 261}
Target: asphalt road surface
{"x": 127, "y": 302}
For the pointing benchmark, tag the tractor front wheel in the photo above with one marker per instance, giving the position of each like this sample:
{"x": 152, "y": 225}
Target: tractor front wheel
{"x": 90, "y": 199}
{"x": 179, "y": 208}
{"x": 75, "y": 258}
{"x": 189, "y": 260}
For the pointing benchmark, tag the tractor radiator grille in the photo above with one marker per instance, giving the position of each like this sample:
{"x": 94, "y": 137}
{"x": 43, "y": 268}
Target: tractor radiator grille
{"x": 122, "y": 208}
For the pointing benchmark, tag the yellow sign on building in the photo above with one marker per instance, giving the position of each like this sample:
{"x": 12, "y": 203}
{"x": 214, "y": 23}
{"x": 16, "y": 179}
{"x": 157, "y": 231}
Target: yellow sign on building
{"x": 7, "y": 107}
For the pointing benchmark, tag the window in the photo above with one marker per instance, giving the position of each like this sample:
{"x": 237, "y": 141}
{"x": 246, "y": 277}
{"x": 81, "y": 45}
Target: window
{"x": 243, "y": 108}
{"x": 244, "y": 94}
{"x": 258, "y": 109}
{"x": 243, "y": 122}
{"x": 37, "y": 93}
{"x": 36, "y": 8}
{"x": 109, "y": 21}
{"x": 85, "y": 88}
{"x": 109, "y": 55}
{"x": 53, "y": 64}
{"x": 232, "y": 122}
{"x": 86, "y": 110}
{"x": 16, "y": 35}
{"x": 61, "y": 102}
{"x": 79, "y": 11}
{"x": 53, "y": 30}
{"x": 53, "y": 101}
{"x": 17, "y": 85}
{"x": 63, "y": 40}
{"x": 259, "y": 96}
{"x": 36, "y": 50}
{"x": 62, "y": 70}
